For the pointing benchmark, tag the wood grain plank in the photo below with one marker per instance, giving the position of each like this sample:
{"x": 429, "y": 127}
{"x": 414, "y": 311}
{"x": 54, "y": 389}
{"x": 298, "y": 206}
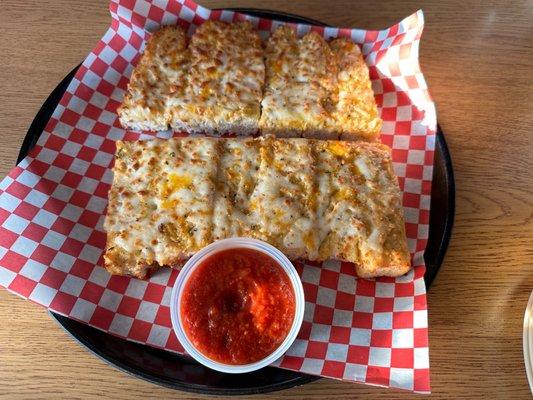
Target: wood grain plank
{"x": 478, "y": 60}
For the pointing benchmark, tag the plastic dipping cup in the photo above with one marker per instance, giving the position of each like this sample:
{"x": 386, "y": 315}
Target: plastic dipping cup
{"x": 190, "y": 267}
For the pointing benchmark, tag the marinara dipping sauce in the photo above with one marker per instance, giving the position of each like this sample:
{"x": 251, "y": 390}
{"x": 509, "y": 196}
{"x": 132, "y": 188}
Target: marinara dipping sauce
{"x": 237, "y": 306}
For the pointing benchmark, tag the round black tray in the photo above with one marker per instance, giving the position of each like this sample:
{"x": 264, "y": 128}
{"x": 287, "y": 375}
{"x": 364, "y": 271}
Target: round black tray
{"x": 177, "y": 372}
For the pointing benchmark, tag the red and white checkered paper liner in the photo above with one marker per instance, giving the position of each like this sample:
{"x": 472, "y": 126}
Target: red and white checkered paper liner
{"x": 52, "y": 208}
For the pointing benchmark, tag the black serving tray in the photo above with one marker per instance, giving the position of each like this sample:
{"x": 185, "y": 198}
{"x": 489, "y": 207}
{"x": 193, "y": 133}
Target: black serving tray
{"x": 182, "y": 373}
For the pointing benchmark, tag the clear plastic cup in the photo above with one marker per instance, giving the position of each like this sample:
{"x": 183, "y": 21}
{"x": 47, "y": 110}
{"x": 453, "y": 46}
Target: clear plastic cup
{"x": 195, "y": 261}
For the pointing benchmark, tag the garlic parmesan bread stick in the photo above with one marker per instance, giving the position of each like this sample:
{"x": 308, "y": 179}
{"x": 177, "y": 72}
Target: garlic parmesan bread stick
{"x": 317, "y": 89}
{"x": 226, "y": 78}
{"x": 312, "y": 199}
{"x": 160, "y": 73}
{"x": 214, "y": 85}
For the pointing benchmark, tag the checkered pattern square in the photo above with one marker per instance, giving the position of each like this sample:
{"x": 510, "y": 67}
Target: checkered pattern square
{"x": 52, "y": 208}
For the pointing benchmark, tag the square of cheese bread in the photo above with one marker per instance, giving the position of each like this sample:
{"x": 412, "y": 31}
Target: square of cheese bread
{"x": 225, "y": 81}
{"x": 312, "y": 199}
{"x": 160, "y": 73}
{"x": 317, "y": 89}
{"x": 160, "y": 204}
{"x": 211, "y": 85}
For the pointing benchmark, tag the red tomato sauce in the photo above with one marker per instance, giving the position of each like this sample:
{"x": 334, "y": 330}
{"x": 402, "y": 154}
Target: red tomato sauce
{"x": 238, "y": 306}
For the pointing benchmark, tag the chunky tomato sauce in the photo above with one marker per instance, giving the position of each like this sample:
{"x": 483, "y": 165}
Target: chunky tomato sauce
{"x": 238, "y": 306}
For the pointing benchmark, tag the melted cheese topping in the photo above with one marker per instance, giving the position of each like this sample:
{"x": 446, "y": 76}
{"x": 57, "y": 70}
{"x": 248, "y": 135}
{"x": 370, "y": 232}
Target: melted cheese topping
{"x": 159, "y": 76}
{"x": 236, "y": 181}
{"x": 161, "y": 202}
{"x": 212, "y": 85}
{"x": 215, "y": 84}
{"x": 312, "y": 199}
{"x": 316, "y": 89}
{"x": 284, "y": 197}
{"x": 355, "y": 111}
{"x": 226, "y": 77}
{"x": 360, "y": 207}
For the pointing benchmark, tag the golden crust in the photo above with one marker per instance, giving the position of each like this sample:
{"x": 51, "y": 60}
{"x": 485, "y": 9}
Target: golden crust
{"x": 313, "y": 199}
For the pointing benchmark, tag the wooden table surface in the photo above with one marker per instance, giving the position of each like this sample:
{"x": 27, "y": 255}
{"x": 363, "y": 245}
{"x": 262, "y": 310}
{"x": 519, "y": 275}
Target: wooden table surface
{"x": 478, "y": 60}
